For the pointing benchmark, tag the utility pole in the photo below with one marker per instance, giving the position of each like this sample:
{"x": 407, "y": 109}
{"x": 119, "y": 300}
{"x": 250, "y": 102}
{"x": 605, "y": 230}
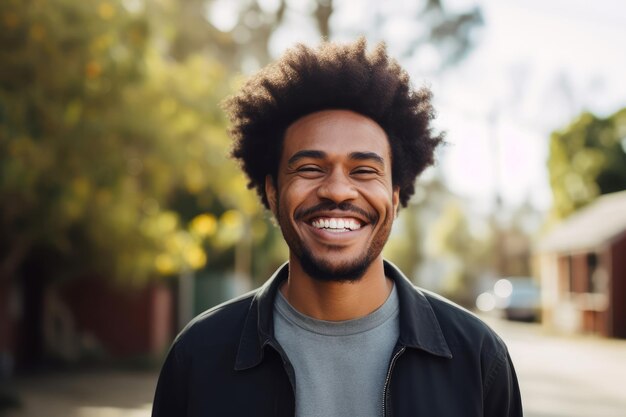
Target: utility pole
{"x": 496, "y": 214}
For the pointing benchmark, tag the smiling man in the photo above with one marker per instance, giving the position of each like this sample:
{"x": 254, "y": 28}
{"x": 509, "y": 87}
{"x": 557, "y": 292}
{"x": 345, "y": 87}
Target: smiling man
{"x": 332, "y": 139}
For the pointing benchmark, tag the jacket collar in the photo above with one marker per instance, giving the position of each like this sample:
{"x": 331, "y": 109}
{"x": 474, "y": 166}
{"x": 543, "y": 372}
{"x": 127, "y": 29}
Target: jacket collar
{"x": 419, "y": 327}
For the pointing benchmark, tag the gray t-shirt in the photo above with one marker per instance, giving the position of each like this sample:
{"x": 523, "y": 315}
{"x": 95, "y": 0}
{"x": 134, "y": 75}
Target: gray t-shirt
{"x": 340, "y": 366}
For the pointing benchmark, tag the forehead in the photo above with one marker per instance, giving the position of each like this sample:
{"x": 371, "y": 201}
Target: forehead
{"x": 336, "y": 132}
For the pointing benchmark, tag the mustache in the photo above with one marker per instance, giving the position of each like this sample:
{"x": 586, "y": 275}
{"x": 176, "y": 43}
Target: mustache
{"x": 329, "y": 205}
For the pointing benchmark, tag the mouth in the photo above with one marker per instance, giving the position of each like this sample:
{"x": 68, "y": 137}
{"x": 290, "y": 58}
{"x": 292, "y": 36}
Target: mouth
{"x": 336, "y": 224}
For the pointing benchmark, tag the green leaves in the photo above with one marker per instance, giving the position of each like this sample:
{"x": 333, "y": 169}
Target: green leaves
{"x": 112, "y": 155}
{"x": 587, "y": 159}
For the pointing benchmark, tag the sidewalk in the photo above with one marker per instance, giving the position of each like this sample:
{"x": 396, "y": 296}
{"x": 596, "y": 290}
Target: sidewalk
{"x": 560, "y": 376}
{"x": 566, "y": 376}
{"x": 86, "y": 394}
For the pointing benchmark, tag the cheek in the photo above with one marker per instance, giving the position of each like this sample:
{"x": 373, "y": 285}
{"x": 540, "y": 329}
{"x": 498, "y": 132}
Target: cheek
{"x": 381, "y": 197}
{"x": 289, "y": 199}
{"x": 298, "y": 192}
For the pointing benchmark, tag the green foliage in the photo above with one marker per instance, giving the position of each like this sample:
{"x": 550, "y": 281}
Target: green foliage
{"x": 65, "y": 67}
{"x": 112, "y": 143}
{"x": 439, "y": 245}
{"x": 587, "y": 159}
{"x": 100, "y": 138}
{"x": 466, "y": 255}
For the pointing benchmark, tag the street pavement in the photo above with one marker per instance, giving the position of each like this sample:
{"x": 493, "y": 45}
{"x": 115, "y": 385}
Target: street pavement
{"x": 560, "y": 376}
{"x": 86, "y": 394}
{"x": 566, "y": 376}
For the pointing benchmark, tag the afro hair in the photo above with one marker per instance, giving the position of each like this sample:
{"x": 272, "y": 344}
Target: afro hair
{"x": 332, "y": 76}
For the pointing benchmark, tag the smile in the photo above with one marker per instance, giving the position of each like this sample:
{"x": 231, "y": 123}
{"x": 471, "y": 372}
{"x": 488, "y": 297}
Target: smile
{"x": 336, "y": 225}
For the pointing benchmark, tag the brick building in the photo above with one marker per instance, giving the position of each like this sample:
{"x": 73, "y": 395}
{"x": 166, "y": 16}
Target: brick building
{"x": 582, "y": 265}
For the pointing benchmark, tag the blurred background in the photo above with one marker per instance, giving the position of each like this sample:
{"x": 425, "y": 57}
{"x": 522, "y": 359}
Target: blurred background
{"x": 121, "y": 216}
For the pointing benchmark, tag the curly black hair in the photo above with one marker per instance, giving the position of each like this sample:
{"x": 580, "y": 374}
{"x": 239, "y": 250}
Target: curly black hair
{"x": 332, "y": 76}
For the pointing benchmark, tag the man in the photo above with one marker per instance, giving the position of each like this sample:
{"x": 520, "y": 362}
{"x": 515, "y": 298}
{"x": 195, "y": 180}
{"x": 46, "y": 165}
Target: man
{"x": 332, "y": 140}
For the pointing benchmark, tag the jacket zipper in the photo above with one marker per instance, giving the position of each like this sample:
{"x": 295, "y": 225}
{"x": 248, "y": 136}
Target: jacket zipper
{"x": 389, "y": 371}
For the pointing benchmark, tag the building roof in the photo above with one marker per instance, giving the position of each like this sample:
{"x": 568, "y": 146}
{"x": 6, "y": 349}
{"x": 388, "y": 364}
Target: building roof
{"x": 594, "y": 225}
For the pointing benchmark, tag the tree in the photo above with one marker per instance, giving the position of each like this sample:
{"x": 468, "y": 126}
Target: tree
{"x": 99, "y": 136}
{"x": 106, "y": 141}
{"x": 240, "y": 33}
{"x": 587, "y": 159}
{"x": 112, "y": 160}
{"x": 65, "y": 69}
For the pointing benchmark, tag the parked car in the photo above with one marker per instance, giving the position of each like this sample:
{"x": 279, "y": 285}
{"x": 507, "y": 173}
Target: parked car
{"x": 514, "y": 298}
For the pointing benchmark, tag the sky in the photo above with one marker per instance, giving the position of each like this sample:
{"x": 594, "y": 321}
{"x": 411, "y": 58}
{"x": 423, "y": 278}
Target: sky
{"x": 535, "y": 66}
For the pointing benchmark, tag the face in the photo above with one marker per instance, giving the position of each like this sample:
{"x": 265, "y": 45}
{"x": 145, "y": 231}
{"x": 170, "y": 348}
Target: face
{"x": 333, "y": 196}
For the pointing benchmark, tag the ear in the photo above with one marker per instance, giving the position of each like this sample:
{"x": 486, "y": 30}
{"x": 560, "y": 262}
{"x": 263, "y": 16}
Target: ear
{"x": 395, "y": 199}
{"x": 271, "y": 193}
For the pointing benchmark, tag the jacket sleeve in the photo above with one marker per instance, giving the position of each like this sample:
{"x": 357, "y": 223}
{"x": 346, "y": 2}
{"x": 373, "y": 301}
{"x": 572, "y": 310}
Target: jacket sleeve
{"x": 502, "y": 395}
{"x": 170, "y": 398}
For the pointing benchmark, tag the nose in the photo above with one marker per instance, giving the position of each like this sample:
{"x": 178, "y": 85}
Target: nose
{"x": 337, "y": 187}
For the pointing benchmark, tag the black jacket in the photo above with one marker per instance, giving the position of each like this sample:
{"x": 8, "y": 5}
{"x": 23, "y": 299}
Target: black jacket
{"x": 446, "y": 363}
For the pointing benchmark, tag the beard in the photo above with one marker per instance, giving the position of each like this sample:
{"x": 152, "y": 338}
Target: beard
{"x": 323, "y": 270}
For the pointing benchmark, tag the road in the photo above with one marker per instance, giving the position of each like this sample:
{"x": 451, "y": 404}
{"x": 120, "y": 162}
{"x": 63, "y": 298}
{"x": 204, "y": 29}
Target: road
{"x": 86, "y": 394}
{"x": 559, "y": 377}
{"x": 566, "y": 376}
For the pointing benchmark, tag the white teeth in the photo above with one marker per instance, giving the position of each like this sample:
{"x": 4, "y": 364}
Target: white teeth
{"x": 336, "y": 224}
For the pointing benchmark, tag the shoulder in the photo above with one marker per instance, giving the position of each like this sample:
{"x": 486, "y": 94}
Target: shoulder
{"x": 478, "y": 351}
{"x": 462, "y": 331}
{"x": 472, "y": 341}
{"x": 218, "y": 326}
{"x": 462, "y": 328}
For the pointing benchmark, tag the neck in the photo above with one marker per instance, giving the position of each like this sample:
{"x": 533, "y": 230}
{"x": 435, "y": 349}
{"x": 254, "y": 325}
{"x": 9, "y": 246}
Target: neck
{"x": 336, "y": 301}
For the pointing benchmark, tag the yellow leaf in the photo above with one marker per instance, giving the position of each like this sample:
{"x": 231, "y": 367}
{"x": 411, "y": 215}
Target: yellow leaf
{"x": 164, "y": 264}
{"x": 232, "y": 219}
{"x": 195, "y": 257}
{"x": 204, "y": 225}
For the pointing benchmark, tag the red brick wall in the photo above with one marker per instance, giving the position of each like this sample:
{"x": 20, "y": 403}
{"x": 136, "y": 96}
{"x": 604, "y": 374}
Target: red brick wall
{"x": 618, "y": 288}
{"x": 125, "y": 321}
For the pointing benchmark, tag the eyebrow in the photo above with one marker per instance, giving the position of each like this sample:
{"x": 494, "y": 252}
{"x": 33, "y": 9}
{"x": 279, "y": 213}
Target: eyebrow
{"x": 359, "y": 156}
{"x": 306, "y": 154}
{"x": 365, "y": 156}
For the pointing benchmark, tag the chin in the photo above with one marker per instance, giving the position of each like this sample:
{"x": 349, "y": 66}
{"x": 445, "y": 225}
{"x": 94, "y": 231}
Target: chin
{"x": 325, "y": 271}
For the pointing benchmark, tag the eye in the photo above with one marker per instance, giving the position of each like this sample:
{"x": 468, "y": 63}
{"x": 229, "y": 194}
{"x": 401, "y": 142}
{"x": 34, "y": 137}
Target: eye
{"x": 309, "y": 168}
{"x": 364, "y": 171}
{"x": 309, "y": 171}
